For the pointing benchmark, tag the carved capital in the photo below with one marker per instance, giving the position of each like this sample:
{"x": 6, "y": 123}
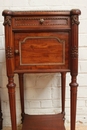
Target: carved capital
{"x": 75, "y": 20}
{"x": 9, "y": 52}
{"x": 7, "y": 21}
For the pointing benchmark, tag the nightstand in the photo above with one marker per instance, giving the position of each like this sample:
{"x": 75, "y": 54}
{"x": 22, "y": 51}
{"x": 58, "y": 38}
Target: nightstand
{"x": 41, "y": 42}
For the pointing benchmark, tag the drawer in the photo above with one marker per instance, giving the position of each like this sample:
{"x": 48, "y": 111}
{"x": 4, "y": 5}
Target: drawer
{"x": 41, "y": 50}
{"x": 41, "y": 22}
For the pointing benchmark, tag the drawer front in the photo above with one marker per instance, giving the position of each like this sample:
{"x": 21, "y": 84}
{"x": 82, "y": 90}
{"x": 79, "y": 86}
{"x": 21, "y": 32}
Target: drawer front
{"x": 35, "y": 22}
{"x": 41, "y": 50}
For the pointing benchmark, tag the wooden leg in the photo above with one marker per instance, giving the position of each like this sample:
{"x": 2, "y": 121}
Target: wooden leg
{"x": 63, "y": 87}
{"x": 0, "y": 116}
{"x": 11, "y": 91}
{"x": 21, "y": 85}
{"x": 73, "y": 86}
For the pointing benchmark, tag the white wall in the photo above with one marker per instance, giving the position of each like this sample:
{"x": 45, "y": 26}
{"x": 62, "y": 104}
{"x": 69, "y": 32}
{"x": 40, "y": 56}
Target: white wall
{"x": 44, "y": 97}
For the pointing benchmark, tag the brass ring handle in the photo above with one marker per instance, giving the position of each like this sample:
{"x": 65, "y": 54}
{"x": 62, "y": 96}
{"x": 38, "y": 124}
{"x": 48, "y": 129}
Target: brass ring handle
{"x": 41, "y": 21}
{"x": 16, "y": 51}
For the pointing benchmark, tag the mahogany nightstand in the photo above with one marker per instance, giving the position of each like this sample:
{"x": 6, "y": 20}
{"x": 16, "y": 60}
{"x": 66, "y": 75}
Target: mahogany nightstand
{"x": 41, "y": 42}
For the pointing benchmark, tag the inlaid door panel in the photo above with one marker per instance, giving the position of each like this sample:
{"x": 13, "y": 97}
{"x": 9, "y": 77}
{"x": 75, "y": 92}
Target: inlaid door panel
{"x": 41, "y": 49}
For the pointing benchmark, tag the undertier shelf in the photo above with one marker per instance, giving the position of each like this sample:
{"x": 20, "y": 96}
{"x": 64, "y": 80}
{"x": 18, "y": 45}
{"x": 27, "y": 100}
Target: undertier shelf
{"x": 43, "y": 122}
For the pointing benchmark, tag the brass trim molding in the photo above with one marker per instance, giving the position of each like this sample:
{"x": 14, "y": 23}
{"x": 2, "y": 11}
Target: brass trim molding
{"x": 74, "y": 52}
{"x": 9, "y": 52}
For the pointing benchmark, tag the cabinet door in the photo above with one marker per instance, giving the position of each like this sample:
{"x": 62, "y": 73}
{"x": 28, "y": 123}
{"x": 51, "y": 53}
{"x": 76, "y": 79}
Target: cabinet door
{"x": 42, "y": 50}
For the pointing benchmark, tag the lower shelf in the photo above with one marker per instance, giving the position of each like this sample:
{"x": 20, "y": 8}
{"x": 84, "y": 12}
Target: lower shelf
{"x": 43, "y": 122}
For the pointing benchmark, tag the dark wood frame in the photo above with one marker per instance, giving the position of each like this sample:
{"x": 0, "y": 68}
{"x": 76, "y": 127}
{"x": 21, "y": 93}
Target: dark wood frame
{"x": 70, "y": 25}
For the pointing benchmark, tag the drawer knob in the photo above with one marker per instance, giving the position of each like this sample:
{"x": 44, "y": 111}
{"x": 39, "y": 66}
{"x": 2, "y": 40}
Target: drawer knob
{"x": 41, "y": 21}
{"x": 16, "y": 52}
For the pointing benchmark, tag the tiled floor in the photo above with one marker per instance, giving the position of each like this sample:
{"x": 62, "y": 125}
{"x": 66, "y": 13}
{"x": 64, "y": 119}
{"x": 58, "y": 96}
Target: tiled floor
{"x": 79, "y": 127}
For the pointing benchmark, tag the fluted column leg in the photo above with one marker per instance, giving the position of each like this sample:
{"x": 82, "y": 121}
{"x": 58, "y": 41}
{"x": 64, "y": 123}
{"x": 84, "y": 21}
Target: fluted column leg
{"x": 63, "y": 87}
{"x": 21, "y": 85}
{"x": 11, "y": 91}
{"x": 73, "y": 89}
{"x": 74, "y": 64}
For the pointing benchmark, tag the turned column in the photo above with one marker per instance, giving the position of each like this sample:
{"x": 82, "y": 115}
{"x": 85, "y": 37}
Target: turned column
{"x": 11, "y": 91}
{"x": 9, "y": 51}
{"x": 21, "y": 85}
{"x": 63, "y": 88}
{"x": 74, "y": 64}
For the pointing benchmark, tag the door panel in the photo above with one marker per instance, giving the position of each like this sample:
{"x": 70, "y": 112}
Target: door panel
{"x": 49, "y": 49}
